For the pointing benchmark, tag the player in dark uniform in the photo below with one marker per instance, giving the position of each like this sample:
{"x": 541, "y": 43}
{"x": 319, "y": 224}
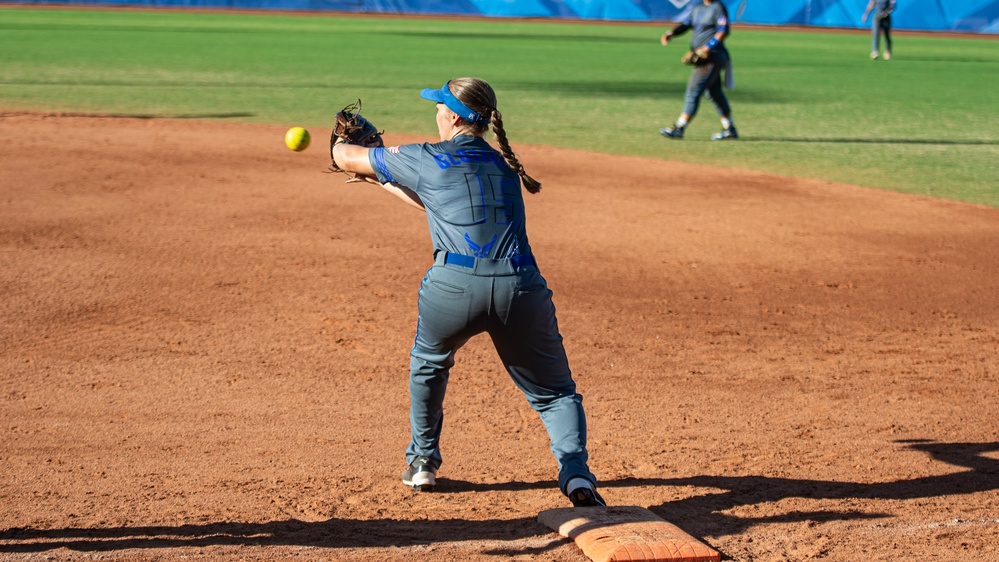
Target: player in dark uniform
{"x": 484, "y": 279}
{"x": 709, "y": 22}
{"x": 881, "y": 24}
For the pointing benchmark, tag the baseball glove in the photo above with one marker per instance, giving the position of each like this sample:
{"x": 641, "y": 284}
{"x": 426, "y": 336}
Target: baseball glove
{"x": 696, "y": 57}
{"x": 349, "y": 127}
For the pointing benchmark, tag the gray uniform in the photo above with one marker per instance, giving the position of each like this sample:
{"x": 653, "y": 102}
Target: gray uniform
{"x": 881, "y": 24}
{"x": 484, "y": 279}
{"x": 705, "y": 21}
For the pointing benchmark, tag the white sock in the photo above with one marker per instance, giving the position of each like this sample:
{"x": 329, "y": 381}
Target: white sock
{"x": 726, "y": 123}
{"x": 681, "y": 123}
{"x": 578, "y": 482}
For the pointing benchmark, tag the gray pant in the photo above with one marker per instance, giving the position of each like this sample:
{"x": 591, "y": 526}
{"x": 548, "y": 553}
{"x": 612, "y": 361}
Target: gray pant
{"x": 707, "y": 79}
{"x": 880, "y": 25}
{"x": 513, "y": 305}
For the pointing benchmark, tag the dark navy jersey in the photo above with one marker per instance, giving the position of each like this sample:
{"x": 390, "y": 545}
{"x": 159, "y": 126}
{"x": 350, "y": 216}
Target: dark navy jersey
{"x": 472, "y": 197}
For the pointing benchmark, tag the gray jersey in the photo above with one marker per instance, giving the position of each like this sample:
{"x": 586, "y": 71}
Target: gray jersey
{"x": 473, "y": 199}
{"x": 705, "y": 21}
{"x": 883, "y": 7}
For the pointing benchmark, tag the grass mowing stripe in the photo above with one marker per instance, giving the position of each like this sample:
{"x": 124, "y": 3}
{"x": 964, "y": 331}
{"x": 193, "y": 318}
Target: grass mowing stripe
{"x": 807, "y": 104}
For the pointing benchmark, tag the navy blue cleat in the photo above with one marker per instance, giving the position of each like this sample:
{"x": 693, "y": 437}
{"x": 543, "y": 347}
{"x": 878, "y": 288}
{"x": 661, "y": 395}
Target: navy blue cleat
{"x": 586, "y": 497}
{"x": 672, "y": 132}
{"x": 727, "y": 134}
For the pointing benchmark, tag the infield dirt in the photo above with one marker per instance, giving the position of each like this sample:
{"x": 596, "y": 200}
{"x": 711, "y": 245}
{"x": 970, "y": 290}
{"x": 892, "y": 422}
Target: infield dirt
{"x": 204, "y": 356}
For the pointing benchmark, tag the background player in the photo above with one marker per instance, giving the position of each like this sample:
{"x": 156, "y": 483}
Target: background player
{"x": 484, "y": 279}
{"x": 709, "y": 22}
{"x": 880, "y": 24}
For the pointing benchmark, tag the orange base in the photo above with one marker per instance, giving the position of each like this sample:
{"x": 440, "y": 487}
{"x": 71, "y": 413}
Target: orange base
{"x": 623, "y": 533}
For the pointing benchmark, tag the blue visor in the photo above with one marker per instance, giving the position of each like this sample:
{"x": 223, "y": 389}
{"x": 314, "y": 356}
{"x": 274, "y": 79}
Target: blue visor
{"x": 445, "y": 96}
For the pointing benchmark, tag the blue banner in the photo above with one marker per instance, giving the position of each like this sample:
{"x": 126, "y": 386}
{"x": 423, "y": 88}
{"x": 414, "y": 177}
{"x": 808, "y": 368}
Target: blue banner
{"x": 981, "y": 16}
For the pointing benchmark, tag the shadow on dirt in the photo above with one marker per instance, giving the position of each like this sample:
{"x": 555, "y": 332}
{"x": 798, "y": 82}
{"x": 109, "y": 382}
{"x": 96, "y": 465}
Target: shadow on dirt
{"x": 871, "y": 141}
{"x": 333, "y": 533}
{"x": 701, "y": 514}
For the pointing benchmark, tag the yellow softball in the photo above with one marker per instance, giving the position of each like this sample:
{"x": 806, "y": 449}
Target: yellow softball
{"x": 297, "y": 139}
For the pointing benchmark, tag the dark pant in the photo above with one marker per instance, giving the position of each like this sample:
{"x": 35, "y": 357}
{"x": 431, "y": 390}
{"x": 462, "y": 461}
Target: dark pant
{"x": 706, "y": 78}
{"x": 879, "y": 26}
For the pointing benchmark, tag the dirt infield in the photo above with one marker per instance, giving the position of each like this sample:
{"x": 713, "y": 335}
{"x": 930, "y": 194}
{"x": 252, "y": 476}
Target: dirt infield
{"x": 205, "y": 340}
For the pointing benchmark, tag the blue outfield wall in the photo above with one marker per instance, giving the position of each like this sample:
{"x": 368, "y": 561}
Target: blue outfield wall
{"x": 981, "y": 16}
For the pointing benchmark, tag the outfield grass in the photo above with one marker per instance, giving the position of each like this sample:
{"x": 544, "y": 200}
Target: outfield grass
{"x": 807, "y": 104}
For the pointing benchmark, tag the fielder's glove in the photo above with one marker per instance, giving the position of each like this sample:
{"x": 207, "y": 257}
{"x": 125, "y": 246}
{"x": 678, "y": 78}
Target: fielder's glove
{"x": 696, "y": 57}
{"x": 349, "y": 127}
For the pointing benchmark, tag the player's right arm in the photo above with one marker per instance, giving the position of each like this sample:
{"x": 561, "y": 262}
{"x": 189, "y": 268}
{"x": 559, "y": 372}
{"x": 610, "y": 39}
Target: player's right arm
{"x": 678, "y": 30}
{"x": 407, "y": 195}
{"x": 867, "y": 12}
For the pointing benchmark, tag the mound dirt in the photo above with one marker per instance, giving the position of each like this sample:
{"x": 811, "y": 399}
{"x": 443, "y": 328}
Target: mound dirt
{"x": 204, "y": 355}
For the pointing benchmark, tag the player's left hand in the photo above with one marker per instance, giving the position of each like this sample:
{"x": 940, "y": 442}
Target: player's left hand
{"x": 350, "y": 128}
{"x": 703, "y": 52}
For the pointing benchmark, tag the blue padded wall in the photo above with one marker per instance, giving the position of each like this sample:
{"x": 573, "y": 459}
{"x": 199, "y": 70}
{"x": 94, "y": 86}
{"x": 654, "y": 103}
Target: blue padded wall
{"x": 980, "y": 16}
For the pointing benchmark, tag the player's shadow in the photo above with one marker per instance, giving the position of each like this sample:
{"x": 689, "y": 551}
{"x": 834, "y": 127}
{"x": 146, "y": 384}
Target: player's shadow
{"x": 235, "y": 115}
{"x": 701, "y": 514}
{"x": 846, "y": 140}
{"x": 163, "y": 115}
{"x": 332, "y": 533}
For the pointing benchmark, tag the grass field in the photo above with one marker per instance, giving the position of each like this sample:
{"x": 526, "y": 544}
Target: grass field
{"x": 807, "y": 104}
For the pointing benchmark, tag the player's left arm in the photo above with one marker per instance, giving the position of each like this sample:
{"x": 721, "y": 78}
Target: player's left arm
{"x": 722, "y": 32}
{"x": 355, "y": 159}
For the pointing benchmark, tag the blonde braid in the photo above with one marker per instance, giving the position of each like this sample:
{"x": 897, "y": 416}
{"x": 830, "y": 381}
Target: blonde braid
{"x": 479, "y": 96}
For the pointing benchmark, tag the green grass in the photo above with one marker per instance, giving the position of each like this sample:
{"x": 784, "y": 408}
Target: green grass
{"x": 806, "y": 104}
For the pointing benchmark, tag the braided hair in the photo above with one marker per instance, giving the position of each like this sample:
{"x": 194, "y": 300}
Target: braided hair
{"x": 480, "y": 97}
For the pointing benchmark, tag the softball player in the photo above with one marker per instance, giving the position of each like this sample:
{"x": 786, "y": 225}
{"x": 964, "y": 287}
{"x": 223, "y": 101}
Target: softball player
{"x": 484, "y": 279}
{"x": 880, "y": 24}
{"x": 709, "y": 22}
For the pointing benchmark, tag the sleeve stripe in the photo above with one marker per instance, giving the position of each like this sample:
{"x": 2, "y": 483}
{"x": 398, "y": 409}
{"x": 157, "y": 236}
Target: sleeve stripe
{"x": 378, "y": 162}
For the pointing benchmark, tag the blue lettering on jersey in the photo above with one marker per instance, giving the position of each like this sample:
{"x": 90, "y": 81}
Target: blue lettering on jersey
{"x": 442, "y": 161}
{"x": 461, "y": 156}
